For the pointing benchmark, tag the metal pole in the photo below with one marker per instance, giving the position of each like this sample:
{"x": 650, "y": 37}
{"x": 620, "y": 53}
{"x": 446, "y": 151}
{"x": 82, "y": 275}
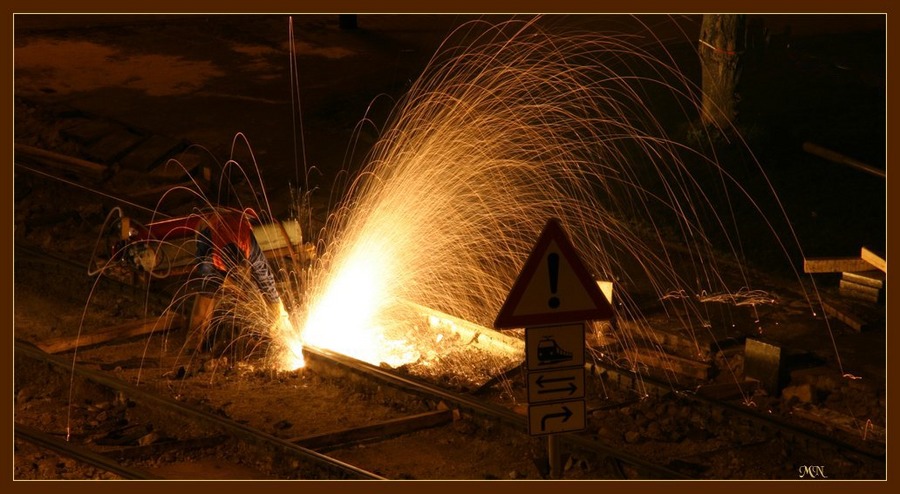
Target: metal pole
{"x": 553, "y": 453}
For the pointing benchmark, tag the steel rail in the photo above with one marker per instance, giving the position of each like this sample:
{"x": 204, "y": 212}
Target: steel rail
{"x": 83, "y": 455}
{"x": 235, "y": 428}
{"x": 482, "y": 408}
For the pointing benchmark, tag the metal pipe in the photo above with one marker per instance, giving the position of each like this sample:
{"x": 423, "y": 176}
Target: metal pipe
{"x": 844, "y": 160}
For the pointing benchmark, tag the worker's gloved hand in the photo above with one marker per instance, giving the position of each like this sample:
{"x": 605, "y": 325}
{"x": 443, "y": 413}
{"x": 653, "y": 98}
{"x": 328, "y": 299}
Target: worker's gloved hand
{"x": 291, "y": 357}
{"x": 281, "y": 317}
{"x": 276, "y": 308}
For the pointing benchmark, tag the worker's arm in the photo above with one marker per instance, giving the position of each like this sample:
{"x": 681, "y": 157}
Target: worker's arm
{"x": 262, "y": 273}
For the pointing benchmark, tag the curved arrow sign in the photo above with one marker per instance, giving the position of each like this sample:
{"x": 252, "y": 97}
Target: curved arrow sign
{"x": 553, "y": 418}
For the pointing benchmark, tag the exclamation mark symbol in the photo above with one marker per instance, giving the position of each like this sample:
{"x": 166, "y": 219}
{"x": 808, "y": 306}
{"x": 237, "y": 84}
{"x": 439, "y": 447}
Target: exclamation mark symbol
{"x": 553, "y": 268}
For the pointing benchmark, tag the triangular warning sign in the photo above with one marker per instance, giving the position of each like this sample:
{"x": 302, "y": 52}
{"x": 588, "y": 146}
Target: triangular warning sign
{"x": 553, "y": 287}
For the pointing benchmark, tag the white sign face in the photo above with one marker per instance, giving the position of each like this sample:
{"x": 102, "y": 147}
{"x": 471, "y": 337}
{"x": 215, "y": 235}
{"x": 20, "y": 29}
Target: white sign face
{"x": 555, "y": 385}
{"x": 555, "y": 287}
{"x": 566, "y": 416}
{"x": 553, "y": 347}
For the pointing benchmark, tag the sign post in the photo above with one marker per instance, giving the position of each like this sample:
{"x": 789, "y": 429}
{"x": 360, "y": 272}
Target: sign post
{"x": 551, "y": 298}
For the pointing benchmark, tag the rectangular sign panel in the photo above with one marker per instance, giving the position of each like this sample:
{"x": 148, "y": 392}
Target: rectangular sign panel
{"x": 554, "y": 347}
{"x": 556, "y": 385}
{"x": 552, "y": 418}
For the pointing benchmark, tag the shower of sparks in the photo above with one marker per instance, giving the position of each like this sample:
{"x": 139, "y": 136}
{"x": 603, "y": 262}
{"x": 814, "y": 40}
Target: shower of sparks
{"x": 499, "y": 134}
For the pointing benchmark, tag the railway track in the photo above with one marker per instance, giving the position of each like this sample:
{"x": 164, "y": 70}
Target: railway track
{"x": 325, "y": 363}
{"x": 628, "y": 461}
{"x": 81, "y": 454}
{"x": 341, "y": 367}
{"x": 335, "y": 468}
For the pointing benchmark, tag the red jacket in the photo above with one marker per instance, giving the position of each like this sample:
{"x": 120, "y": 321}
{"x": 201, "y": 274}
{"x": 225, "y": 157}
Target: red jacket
{"x": 229, "y": 226}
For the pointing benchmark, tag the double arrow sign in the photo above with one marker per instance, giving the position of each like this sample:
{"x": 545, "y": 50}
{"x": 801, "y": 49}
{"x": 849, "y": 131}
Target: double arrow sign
{"x": 555, "y": 385}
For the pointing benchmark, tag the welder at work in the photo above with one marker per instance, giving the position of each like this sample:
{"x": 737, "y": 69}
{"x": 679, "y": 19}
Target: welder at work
{"x": 225, "y": 242}
{"x": 216, "y": 247}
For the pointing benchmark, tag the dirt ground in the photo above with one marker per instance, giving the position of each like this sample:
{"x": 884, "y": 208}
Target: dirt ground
{"x": 232, "y": 65}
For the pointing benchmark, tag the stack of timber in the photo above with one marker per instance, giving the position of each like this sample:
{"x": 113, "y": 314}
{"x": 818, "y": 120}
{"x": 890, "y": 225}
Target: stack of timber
{"x": 862, "y": 287}
{"x": 867, "y": 286}
{"x": 668, "y": 348}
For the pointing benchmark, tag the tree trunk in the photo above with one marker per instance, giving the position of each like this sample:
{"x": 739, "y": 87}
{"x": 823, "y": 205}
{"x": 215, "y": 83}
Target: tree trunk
{"x": 721, "y": 37}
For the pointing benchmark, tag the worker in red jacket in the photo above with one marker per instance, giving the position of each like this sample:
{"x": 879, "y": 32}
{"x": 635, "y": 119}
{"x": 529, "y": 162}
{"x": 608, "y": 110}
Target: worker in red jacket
{"x": 225, "y": 240}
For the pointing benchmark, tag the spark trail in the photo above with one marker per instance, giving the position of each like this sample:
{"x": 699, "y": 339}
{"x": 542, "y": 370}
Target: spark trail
{"x": 500, "y": 133}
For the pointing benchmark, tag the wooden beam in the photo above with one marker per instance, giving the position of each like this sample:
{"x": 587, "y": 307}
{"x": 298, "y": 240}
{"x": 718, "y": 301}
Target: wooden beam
{"x": 158, "y": 449}
{"x": 834, "y": 264}
{"x": 132, "y": 363}
{"x": 844, "y": 160}
{"x": 845, "y": 315}
{"x": 388, "y": 428}
{"x": 669, "y": 362}
{"x": 728, "y": 390}
{"x": 152, "y": 196}
{"x": 508, "y": 375}
{"x": 862, "y": 292}
{"x": 167, "y": 322}
{"x": 697, "y": 345}
{"x": 80, "y": 453}
{"x": 874, "y": 278}
{"x": 38, "y": 156}
{"x": 860, "y": 428}
{"x": 873, "y": 259}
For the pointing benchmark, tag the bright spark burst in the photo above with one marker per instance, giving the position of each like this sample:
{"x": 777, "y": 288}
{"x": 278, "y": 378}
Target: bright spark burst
{"x": 499, "y": 134}
{"x": 290, "y": 356}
